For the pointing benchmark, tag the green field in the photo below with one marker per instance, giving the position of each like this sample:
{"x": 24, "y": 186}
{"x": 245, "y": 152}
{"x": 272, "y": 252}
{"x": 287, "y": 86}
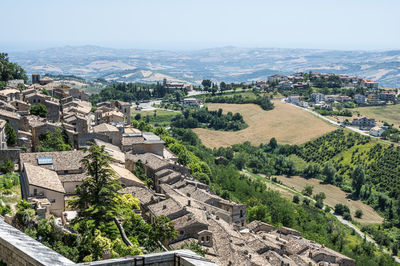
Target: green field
{"x": 156, "y": 117}
{"x": 388, "y": 113}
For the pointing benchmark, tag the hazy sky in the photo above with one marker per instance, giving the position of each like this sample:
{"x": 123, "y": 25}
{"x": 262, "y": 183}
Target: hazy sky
{"x": 187, "y": 24}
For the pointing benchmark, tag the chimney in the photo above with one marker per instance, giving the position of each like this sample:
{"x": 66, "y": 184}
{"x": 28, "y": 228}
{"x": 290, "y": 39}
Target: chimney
{"x": 188, "y": 203}
{"x": 164, "y": 207}
{"x": 188, "y": 194}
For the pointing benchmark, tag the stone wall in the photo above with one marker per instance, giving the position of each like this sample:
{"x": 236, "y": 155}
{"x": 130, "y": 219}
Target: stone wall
{"x": 12, "y": 154}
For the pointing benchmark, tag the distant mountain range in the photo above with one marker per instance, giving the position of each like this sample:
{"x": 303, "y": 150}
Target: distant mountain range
{"x": 230, "y": 64}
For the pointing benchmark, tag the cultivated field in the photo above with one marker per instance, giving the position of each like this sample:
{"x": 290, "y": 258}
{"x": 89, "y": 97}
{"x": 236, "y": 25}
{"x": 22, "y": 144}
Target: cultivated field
{"x": 334, "y": 195}
{"x": 157, "y": 117}
{"x": 287, "y": 123}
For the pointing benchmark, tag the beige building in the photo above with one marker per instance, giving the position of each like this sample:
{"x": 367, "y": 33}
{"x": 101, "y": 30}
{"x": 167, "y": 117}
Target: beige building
{"x": 21, "y": 107}
{"x": 38, "y": 182}
{"x": 66, "y": 164}
{"x": 52, "y": 104}
{"x": 142, "y": 143}
{"x": 110, "y": 131}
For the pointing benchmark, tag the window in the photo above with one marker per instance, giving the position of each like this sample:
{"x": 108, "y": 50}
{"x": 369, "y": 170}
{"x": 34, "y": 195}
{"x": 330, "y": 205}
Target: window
{"x": 208, "y": 238}
{"x": 35, "y": 191}
{"x": 202, "y": 239}
{"x": 181, "y": 233}
{"x": 241, "y": 213}
{"x": 53, "y": 201}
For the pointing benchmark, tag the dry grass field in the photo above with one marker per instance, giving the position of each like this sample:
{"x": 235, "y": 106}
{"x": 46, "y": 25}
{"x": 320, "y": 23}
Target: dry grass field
{"x": 287, "y": 123}
{"x": 334, "y": 195}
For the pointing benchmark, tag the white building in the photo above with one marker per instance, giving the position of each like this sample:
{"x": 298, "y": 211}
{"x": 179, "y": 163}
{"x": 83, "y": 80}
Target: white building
{"x": 376, "y": 131}
{"x": 317, "y": 97}
{"x": 294, "y": 99}
{"x": 191, "y": 102}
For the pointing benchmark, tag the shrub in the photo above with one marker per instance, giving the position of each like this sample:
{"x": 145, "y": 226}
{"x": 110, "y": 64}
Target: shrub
{"x": 296, "y": 199}
{"x": 340, "y": 209}
{"x": 359, "y": 213}
{"x": 306, "y": 201}
{"x": 308, "y": 190}
{"x": 39, "y": 109}
{"x": 347, "y": 216}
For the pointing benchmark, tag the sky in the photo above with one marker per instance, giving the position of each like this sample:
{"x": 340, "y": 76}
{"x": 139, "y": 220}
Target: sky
{"x": 189, "y": 24}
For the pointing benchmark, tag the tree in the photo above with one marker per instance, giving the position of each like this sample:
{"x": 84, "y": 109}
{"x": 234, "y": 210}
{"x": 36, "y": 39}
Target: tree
{"x": 7, "y": 167}
{"x": 308, "y": 189}
{"x": 296, "y": 199}
{"x": 329, "y": 172}
{"x": 206, "y": 83}
{"x": 358, "y": 179}
{"x": 359, "y": 213}
{"x": 9, "y": 71}
{"x": 11, "y": 136}
{"x": 95, "y": 200}
{"x": 163, "y": 229}
{"x": 39, "y": 109}
{"x": 54, "y": 141}
{"x": 273, "y": 143}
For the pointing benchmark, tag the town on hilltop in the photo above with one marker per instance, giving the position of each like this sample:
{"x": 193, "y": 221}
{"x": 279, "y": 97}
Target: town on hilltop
{"x": 49, "y": 179}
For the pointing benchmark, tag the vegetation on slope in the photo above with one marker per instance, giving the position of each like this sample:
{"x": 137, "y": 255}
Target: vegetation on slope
{"x": 263, "y": 101}
{"x": 202, "y": 117}
{"x": 10, "y": 71}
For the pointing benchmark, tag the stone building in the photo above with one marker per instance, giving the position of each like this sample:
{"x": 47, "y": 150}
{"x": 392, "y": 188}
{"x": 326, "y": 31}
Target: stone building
{"x": 79, "y": 94}
{"x": 3, "y": 139}
{"x": 52, "y": 104}
{"x": 38, "y": 182}
{"x": 22, "y": 107}
{"x": 110, "y": 131}
{"x": 142, "y": 143}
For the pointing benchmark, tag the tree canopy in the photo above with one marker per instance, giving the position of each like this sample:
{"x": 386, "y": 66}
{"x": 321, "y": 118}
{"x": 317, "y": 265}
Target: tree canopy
{"x": 10, "y": 71}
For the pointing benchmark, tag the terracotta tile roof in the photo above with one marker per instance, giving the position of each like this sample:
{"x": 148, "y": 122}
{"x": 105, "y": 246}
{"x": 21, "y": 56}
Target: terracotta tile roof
{"x": 189, "y": 219}
{"x": 44, "y": 178}
{"x": 166, "y": 207}
{"x": 8, "y": 114}
{"x": 144, "y": 194}
{"x": 62, "y": 160}
{"x": 113, "y": 150}
{"x": 105, "y": 128}
{"x": 125, "y": 173}
{"x": 72, "y": 177}
{"x": 149, "y": 159}
{"x": 129, "y": 140}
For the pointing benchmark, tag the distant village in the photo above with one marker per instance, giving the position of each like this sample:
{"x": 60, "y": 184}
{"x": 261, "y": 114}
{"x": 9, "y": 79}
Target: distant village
{"x": 49, "y": 179}
{"x": 363, "y": 93}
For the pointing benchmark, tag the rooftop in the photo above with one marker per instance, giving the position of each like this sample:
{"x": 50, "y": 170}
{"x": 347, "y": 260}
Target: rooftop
{"x": 105, "y": 128}
{"x": 41, "y": 177}
{"x": 149, "y": 159}
{"x": 125, "y": 173}
{"x": 61, "y": 160}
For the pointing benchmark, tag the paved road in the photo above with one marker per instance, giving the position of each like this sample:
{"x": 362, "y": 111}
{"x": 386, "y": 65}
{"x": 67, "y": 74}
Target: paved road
{"x": 329, "y": 120}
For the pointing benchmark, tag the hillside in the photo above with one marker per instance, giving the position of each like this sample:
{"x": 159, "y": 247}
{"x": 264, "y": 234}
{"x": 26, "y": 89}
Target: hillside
{"x": 230, "y": 64}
